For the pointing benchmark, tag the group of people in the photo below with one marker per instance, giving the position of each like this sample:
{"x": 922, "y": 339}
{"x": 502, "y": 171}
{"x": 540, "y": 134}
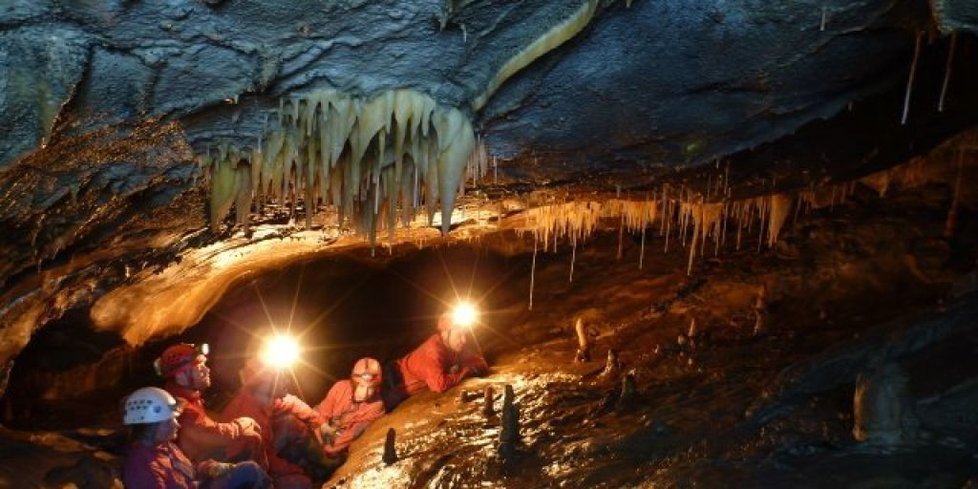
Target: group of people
{"x": 266, "y": 437}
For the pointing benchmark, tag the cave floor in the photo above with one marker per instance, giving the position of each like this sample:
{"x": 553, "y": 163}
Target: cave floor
{"x": 723, "y": 407}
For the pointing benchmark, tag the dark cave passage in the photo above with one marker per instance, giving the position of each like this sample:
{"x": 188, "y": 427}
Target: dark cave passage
{"x": 342, "y": 307}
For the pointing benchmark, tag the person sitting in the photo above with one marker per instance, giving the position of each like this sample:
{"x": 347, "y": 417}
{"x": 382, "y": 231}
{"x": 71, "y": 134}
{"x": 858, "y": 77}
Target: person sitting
{"x": 200, "y": 437}
{"x": 439, "y": 364}
{"x": 154, "y": 461}
{"x": 350, "y": 406}
{"x": 264, "y": 397}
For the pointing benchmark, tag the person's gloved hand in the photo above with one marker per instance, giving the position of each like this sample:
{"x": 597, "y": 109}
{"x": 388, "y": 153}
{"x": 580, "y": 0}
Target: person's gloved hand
{"x": 328, "y": 430}
{"x": 248, "y": 425}
{"x": 479, "y": 370}
{"x": 212, "y": 469}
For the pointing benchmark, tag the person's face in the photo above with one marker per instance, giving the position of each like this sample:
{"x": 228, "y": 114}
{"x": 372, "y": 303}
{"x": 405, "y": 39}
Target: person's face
{"x": 167, "y": 430}
{"x": 268, "y": 389}
{"x": 456, "y": 339}
{"x": 196, "y": 376}
{"x": 363, "y": 390}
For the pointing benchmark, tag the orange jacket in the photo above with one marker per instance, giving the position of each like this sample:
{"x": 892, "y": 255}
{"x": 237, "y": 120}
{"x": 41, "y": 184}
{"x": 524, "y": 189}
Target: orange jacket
{"x": 202, "y": 438}
{"x": 430, "y": 365}
{"x": 244, "y": 404}
{"x": 161, "y": 466}
{"x": 349, "y": 417}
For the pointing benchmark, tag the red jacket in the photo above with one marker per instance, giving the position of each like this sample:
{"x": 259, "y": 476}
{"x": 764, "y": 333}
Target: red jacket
{"x": 245, "y": 404}
{"x": 429, "y": 366}
{"x": 161, "y": 466}
{"x": 351, "y": 418}
{"x": 202, "y": 438}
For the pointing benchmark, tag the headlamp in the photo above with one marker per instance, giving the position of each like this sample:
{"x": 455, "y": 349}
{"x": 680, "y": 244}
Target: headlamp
{"x": 465, "y": 314}
{"x": 280, "y": 351}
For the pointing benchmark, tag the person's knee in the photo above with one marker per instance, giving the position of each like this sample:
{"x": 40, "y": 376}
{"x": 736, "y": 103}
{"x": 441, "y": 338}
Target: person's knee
{"x": 247, "y": 475}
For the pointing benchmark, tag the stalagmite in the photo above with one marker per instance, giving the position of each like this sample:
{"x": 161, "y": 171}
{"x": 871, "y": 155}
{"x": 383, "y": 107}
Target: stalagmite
{"x": 951, "y": 224}
{"x": 509, "y": 433}
{"x": 583, "y": 344}
{"x": 612, "y": 365}
{"x": 913, "y": 71}
{"x": 883, "y": 408}
{"x": 487, "y": 402}
{"x": 390, "y": 450}
{"x": 629, "y": 392}
{"x": 760, "y": 312}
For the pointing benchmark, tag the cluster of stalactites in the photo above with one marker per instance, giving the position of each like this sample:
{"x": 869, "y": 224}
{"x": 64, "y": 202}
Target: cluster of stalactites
{"x": 376, "y": 160}
{"x": 574, "y": 220}
{"x": 688, "y": 219}
{"x": 693, "y": 221}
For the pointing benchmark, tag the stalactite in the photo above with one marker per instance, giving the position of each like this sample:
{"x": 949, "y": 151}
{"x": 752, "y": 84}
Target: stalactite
{"x": 706, "y": 219}
{"x": 641, "y": 254}
{"x": 621, "y": 234}
{"x": 570, "y": 278}
{"x": 761, "y": 215}
{"x": 913, "y": 71}
{"x": 947, "y": 71}
{"x": 366, "y": 157}
{"x": 778, "y": 213}
{"x": 533, "y": 270}
{"x": 540, "y": 46}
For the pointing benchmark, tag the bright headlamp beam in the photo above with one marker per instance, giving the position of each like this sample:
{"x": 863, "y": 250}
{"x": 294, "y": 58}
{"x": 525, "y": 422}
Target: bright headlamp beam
{"x": 465, "y": 315}
{"x": 280, "y": 351}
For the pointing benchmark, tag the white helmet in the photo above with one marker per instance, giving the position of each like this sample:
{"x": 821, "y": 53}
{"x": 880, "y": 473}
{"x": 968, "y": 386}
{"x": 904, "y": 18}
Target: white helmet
{"x": 150, "y": 405}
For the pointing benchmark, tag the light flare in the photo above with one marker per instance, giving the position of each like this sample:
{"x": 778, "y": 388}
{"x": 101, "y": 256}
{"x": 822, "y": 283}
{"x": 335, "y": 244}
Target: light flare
{"x": 465, "y": 314}
{"x": 280, "y": 351}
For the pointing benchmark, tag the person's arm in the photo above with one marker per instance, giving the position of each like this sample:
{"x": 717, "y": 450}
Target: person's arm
{"x": 474, "y": 361}
{"x": 358, "y": 422}
{"x": 198, "y": 429}
{"x": 434, "y": 366}
{"x": 297, "y": 407}
{"x": 327, "y": 407}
